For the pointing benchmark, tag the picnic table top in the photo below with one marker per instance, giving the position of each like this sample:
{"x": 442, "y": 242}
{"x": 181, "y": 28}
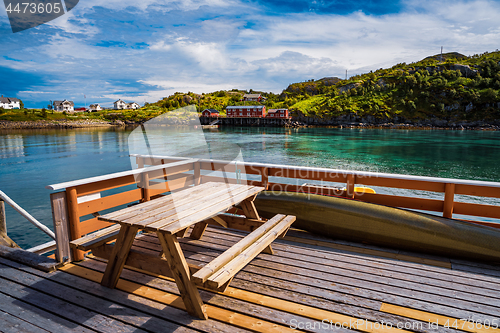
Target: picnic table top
{"x": 179, "y": 210}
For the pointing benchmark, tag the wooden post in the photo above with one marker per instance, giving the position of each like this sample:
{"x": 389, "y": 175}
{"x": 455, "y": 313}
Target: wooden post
{"x": 3, "y": 219}
{"x": 449, "y": 195}
{"x": 74, "y": 220}
{"x": 146, "y": 193}
{"x": 144, "y": 180}
{"x": 61, "y": 226}
{"x": 349, "y": 188}
{"x": 180, "y": 270}
{"x": 197, "y": 173}
{"x": 265, "y": 177}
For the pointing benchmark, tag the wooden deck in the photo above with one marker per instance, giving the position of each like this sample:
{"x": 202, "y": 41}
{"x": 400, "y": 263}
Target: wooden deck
{"x": 309, "y": 279}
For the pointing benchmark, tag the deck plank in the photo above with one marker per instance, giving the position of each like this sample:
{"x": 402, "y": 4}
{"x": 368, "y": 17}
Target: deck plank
{"x": 74, "y": 313}
{"x": 291, "y": 249}
{"x": 258, "y": 292}
{"x": 372, "y": 260}
{"x": 424, "y": 301}
{"x": 286, "y": 255}
{"x": 388, "y": 286}
{"x": 169, "y": 313}
{"x": 84, "y": 306}
{"x": 215, "y": 299}
{"x": 37, "y": 316}
{"x": 12, "y": 324}
{"x": 308, "y": 289}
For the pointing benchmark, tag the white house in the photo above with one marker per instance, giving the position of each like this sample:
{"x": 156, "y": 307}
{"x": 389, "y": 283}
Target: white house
{"x": 133, "y": 106}
{"x": 65, "y": 105}
{"x": 121, "y": 105}
{"x": 10, "y": 103}
{"x": 95, "y": 107}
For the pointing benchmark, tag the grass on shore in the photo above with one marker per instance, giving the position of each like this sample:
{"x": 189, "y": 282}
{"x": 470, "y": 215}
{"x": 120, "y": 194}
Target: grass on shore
{"x": 105, "y": 115}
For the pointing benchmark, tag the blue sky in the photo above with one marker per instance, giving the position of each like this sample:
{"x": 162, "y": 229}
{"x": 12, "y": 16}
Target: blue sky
{"x": 145, "y": 50}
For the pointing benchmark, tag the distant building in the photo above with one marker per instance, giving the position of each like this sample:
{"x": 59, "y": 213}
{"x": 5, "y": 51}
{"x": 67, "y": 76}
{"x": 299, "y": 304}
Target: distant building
{"x": 246, "y": 111}
{"x": 133, "y": 106}
{"x": 252, "y": 97}
{"x": 278, "y": 113}
{"x": 10, "y": 103}
{"x": 95, "y": 107}
{"x": 65, "y": 105}
{"x": 122, "y": 105}
{"x": 80, "y": 109}
{"x": 209, "y": 113}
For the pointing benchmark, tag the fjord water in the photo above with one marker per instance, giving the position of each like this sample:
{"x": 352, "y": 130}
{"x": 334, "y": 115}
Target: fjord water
{"x": 32, "y": 159}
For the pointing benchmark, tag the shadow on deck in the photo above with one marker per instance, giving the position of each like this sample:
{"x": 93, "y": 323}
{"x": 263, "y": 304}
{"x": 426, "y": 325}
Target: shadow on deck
{"x": 310, "y": 283}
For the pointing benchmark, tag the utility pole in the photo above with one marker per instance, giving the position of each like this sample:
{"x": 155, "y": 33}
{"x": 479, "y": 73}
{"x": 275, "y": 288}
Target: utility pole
{"x": 441, "y": 54}
{"x": 346, "y": 74}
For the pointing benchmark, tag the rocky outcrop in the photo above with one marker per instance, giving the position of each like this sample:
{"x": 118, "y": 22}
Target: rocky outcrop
{"x": 465, "y": 70}
{"x": 349, "y": 87}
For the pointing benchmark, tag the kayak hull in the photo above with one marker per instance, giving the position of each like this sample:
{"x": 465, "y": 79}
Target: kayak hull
{"x": 352, "y": 220}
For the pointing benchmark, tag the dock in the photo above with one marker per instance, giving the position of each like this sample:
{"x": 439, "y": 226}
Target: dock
{"x": 248, "y": 121}
{"x": 310, "y": 284}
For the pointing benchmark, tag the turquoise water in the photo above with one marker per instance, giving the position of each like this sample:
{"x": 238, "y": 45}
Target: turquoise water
{"x": 32, "y": 159}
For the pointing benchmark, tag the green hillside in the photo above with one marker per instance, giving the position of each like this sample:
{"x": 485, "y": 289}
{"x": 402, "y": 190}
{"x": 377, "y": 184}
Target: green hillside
{"x": 458, "y": 88}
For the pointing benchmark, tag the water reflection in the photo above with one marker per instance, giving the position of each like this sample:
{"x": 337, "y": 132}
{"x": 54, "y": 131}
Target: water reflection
{"x": 11, "y": 146}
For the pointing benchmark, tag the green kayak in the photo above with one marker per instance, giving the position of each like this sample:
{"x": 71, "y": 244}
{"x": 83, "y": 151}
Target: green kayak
{"x": 352, "y": 220}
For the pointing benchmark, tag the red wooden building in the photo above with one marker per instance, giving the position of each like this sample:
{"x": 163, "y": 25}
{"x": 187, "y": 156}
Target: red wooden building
{"x": 278, "y": 113}
{"x": 246, "y": 111}
{"x": 209, "y": 113}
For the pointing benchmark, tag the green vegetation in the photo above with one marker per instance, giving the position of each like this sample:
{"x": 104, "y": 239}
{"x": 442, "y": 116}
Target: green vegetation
{"x": 454, "y": 87}
{"x": 458, "y": 88}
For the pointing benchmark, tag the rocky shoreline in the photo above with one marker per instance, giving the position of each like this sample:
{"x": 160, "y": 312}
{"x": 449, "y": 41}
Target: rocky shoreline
{"x": 55, "y": 124}
{"x": 398, "y": 123}
{"x": 480, "y": 127}
{"x": 65, "y": 124}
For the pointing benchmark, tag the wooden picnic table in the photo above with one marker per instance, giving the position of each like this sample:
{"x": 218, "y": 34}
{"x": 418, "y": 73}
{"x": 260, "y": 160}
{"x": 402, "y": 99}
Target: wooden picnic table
{"x": 172, "y": 215}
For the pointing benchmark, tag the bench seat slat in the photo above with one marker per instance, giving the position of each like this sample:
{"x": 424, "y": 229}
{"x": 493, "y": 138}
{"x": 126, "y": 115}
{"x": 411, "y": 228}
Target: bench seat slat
{"x": 224, "y": 267}
{"x": 203, "y": 274}
{"x": 97, "y": 238}
{"x": 234, "y": 266}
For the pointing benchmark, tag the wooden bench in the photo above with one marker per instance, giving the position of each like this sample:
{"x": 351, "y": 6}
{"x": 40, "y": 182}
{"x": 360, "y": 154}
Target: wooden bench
{"x": 221, "y": 270}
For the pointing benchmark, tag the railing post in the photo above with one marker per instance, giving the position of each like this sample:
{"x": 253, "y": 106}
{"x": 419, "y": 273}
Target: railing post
{"x": 3, "y": 219}
{"x": 197, "y": 173}
{"x": 265, "y": 177}
{"x": 349, "y": 188}
{"x": 146, "y": 193}
{"x": 144, "y": 180}
{"x": 74, "y": 220}
{"x": 449, "y": 195}
{"x": 61, "y": 226}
